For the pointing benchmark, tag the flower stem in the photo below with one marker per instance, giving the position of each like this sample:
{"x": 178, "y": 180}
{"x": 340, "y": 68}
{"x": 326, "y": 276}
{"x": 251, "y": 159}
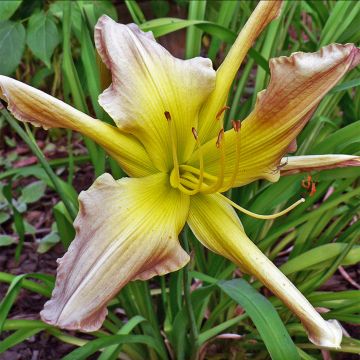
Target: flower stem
{"x": 189, "y": 308}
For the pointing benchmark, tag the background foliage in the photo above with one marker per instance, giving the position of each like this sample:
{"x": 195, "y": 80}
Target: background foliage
{"x": 49, "y": 45}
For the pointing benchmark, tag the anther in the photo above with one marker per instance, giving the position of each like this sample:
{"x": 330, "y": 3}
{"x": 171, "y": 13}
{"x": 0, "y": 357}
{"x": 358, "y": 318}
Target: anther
{"x": 195, "y": 133}
{"x": 218, "y": 115}
{"x": 220, "y": 138}
{"x": 236, "y": 124}
{"x": 167, "y": 115}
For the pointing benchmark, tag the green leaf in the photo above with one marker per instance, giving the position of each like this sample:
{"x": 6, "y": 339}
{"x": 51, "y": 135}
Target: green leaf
{"x": 265, "y": 318}
{"x": 135, "y": 11}
{"x": 8, "y": 8}
{"x": 345, "y": 86}
{"x": 4, "y": 217}
{"x": 64, "y": 224}
{"x": 6, "y": 240}
{"x": 17, "y": 337}
{"x": 160, "y": 8}
{"x": 92, "y": 346}
{"x": 32, "y": 192}
{"x": 42, "y": 36}
{"x": 112, "y": 351}
{"x": 47, "y": 242}
{"x": 9, "y": 298}
{"x": 12, "y": 43}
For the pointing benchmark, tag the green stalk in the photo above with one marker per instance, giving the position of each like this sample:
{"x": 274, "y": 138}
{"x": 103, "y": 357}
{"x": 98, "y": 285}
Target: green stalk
{"x": 190, "y": 311}
{"x": 30, "y": 141}
{"x": 194, "y": 35}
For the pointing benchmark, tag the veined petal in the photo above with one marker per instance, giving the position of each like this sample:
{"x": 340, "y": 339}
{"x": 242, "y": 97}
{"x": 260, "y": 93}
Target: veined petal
{"x": 264, "y": 13}
{"x": 216, "y": 225}
{"x": 125, "y": 230}
{"x": 147, "y": 81}
{"x": 32, "y": 105}
{"x": 307, "y": 163}
{"x": 297, "y": 85}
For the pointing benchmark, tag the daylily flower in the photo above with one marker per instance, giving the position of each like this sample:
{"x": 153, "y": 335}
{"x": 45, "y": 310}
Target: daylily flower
{"x": 170, "y": 141}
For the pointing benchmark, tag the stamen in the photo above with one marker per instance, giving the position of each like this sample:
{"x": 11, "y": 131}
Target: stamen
{"x": 263, "y": 217}
{"x": 220, "y": 179}
{"x": 237, "y": 126}
{"x": 196, "y": 171}
{"x": 175, "y": 176}
{"x": 220, "y": 112}
{"x": 201, "y": 160}
{"x": 220, "y": 138}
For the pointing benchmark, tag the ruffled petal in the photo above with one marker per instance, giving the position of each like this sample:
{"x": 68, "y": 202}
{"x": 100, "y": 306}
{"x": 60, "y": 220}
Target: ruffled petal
{"x": 307, "y": 163}
{"x": 31, "y": 105}
{"x": 297, "y": 85}
{"x": 217, "y": 226}
{"x": 125, "y": 230}
{"x": 264, "y": 13}
{"x": 147, "y": 81}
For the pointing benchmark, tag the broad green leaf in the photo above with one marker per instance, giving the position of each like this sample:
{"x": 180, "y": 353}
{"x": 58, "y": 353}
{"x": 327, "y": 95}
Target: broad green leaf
{"x": 12, "y": 44}
{"x": 316, "y": 257}
{"x": 4, "y": 217}
{"x": 47, "y": 242}
{"x": 42, "y": 36}
{"x": 32, "y": 192}
{"x": 8, "y": 8}
{"x": 265, "y": 318}
{"x": 6, "y": 240}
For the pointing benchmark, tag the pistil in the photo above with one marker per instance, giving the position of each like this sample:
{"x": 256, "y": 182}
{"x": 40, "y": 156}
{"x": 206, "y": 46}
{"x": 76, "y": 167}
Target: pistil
{"x": 263, "y": 217}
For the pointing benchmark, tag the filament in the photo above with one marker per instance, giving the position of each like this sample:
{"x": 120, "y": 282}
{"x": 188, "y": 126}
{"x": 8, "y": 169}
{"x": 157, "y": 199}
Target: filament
{"x": 237, "y": 126}
{"x": 201, "y": 161}
{"x": 196, "y": 171}
{"x": 220, "y": 177}
{"x": 175, "y": 176}
{"x": 263, "y": 217}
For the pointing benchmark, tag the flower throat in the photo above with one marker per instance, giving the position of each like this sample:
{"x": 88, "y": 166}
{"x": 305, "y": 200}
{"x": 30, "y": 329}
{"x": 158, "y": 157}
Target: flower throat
{"x": 190, "y": 180}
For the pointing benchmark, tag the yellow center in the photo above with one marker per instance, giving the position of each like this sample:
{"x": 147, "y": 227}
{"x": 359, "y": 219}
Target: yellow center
{"x": 190, "y": 180}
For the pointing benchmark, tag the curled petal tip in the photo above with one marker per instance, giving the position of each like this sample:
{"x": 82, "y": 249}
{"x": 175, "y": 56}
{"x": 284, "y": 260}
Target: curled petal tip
{"x": 330, "y": 335}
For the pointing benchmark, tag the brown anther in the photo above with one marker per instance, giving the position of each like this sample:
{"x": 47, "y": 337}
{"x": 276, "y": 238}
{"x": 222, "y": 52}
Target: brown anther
{"x": 218, "y": 115}
{"x": 313, "y": 189}
{"x": 167, "y": 115}
{"x": 194, "y": 133}
{"x": 220, "y": 138}
{"x": 236, "y": 124}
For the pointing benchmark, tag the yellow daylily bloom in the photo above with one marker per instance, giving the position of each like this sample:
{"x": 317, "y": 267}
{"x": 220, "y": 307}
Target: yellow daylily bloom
{"x": 170, "y": 141}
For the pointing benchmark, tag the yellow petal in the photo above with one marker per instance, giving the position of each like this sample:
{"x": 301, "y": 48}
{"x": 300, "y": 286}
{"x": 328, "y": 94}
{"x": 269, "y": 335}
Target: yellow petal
{"x": 307, "y": 163}
{"x": 31, "y": 105}
{"x": 147, "y": 81}
{"x": 217, "y": 226}
{"x": 264, "y": 13}
{"x": 297, "y": 85}
{"x": 126, "y": 230}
